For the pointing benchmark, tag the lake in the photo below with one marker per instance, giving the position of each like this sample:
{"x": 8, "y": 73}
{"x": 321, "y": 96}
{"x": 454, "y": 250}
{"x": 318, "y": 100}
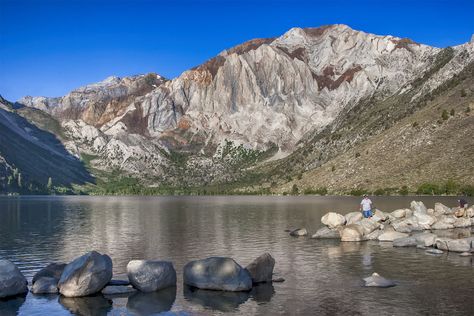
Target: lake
{"x": 323, "y": 277}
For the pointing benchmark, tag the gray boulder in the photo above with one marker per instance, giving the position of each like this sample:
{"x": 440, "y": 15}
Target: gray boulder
{"x": 374, "y": 235}
{"x": 462, "y": 222}
{"x": 151, "y": 275}
{"x": 12, "y": 281}
{"x": 327, "y": 233}
{"x": 405, "y": 242}
{"x": 261, "y": 269}
{"x": 217, "y": 273}
{"x": 441, "y": 209}
{"x": 399, "y": 213}
{"x": 434, "y": 251}
{"x": 375, "y": 280}
{"x": 391, "y": 236}
{"x": 299, "y": 232}
{"x": 333, "y": 220}
{"x": 53, "y": 270}
{"x": 45, "y": 285}
{"x": 425, "y": 239}
{"x": 418, "y": 207}
{"x": 455, "y": 245}
{"x": 352, "y": 232}
{"x": 118, "y": 289}
{"x": 368, "y": 225}
{"x": 86, "y": 275}
{"x": 353, "y": 217}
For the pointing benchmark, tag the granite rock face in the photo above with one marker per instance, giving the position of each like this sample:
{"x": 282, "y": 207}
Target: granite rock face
{"x": 86, "y": 275}
{"x": 217, "y": 273}
{"x": 151, "y": 275}
{"x": 12, "y": 281}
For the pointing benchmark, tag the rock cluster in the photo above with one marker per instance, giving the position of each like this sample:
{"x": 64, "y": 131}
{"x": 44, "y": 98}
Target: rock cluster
{"x": 415, "y": 226}
{"x": 91, "y": 273}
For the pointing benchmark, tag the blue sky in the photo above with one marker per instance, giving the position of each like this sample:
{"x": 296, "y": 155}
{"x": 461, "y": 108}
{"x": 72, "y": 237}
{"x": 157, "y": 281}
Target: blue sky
{"x": 51, "y": 47}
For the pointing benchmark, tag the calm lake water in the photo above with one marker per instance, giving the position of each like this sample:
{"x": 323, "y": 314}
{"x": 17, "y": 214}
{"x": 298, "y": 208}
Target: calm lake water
{"x": 323, "y": 277}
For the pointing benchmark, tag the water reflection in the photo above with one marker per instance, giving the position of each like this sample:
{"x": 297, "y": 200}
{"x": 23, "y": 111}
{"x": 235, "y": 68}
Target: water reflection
{"x": 223, "y": 301}
{"x": 151, "y": 303}
{"x": 263, "y": 292}
{"x": 11, "y": 306}
{"x": 96, "y": 305}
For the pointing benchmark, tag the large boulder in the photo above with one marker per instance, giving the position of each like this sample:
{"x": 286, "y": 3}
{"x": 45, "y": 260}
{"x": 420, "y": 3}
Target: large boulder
{"x": 333, "y": 220}
{"x": 353, "y": 217}
{"x": 261, "y": 269}
{"x": 441, "y": 209}
{"x": 375, "y": 280}
{"x": 379, "y": 216}
{"x": 455, "y": 245}
{"x": 470, "y": 212}
{"x": 327, "y": 233}
{"x": 426, "y": 239}
{"x": 374, "y": 235}
{"x": 399, "y": 213}
{"x": 423, "y": 220}
{"x": 418, "y": 207}
{"x": 368, "y": 225}
{"x": 409, "y": 241}
{"x": 53, "y": 270}
{"x": 45, "y": 285}
{"x": 462, "y": 222}
{"x": 217, "y": 273}
{"x": 444, "y": 222}
{"x": 391, "y": 236}
{"x": 86, "y": 275}
{"x": 352, "y": 232}
{"x": 12, "y": 281}
{"x": 151, "y": 275}
{"x": 299, "y": 232}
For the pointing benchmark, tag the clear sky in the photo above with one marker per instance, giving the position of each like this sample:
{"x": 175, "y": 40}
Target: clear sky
{"x": 51, "y": 47}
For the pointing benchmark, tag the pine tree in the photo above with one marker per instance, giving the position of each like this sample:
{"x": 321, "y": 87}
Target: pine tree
{"x": 50, "y": 184}
{"x": 19, "y": 180}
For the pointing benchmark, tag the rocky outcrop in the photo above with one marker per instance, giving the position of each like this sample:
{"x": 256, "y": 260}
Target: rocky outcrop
{"x": 12, "y": 281}
{"x": 375, "y": 280}
{"x": 217, "y": 273}
{"x": 151, "y": 275}
{"x": 261, "y": 269}
{"x": 86, "y": 275}
{"x": 333, "y": 220}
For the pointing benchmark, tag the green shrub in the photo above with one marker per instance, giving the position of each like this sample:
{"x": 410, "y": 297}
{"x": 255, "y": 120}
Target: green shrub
{"x": 463, "y": 93}
{"x": 294, "y": 189}
{"x": 357, "y": 155}
{"x": 429, "y": 189}
{"x": 358, "y": 192}
{"x": 444, "y": 115}
{"x": 452, "y": 112}
{"x": 333, "y": 168}
{"x": 403, "y": 190}
{"x": 317, "y": 191}
{"x": 415, "y": 124}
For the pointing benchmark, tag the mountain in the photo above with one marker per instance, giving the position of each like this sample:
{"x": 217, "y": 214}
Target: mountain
{"x": 273, "y": 114}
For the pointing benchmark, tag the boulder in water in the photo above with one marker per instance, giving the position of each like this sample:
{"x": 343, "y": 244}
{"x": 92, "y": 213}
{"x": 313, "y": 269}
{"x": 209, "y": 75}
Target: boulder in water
{"x": 327, "y": 233}
{"x": 409, "y": 241}
{"x": 352, "y": 232}
{"x": 299, "y": 232}
{"x": 151, "y": 275}
{"x": 45, "y": 285}
{"x": 52, "y": 270}
{"x": 353, "y": 217}
{"x": 333, "y": 220}
{"x": 12, "y": 281}
{"x": 217, "y": 273}
{"x": 261, "y": 269}
{"x": 391, "y": 236}
{"x": 118, "y": 289}
{"x": 86, "y": 275}
{"x": 375, "y": 280}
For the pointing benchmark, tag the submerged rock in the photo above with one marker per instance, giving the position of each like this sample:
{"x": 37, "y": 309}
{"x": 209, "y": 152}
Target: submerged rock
{"x": 455, "y": 245}
{"x": 465, "y": 254}
{"x": 434, "y": 251}
{"x": 327, "y": 233}
{"x": 151, "y": 275}
{"x": 333, "y": 220}
{"x": 261, "y": 269}
{"x": 86, "y": 275}
{"x": 409, "y": 241}
{"x": 52, "y": 270}
{"x": 391, "y": 236}
{"x": 217, "y": 273}
{"x": 425, "y": 239}
{"x": 118, "y": 289}
{"x": 375, "y": 280}
{"x": 12, "y": 281}
{"x": 45, "y": 285}
{"x": 352, "y": 232}
{"x": 299, "y": 232}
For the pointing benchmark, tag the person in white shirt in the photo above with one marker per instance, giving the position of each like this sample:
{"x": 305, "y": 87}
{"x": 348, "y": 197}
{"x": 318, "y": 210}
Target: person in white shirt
{"x": 366, "y": 207}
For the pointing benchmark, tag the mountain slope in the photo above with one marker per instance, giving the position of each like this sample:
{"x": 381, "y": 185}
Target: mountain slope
{"x": 266, "y": 112}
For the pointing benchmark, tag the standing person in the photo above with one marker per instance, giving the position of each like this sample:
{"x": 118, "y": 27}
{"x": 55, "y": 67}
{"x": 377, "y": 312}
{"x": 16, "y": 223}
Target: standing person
{"x": 366, "y": 207}
{"x": 462, "y": 208}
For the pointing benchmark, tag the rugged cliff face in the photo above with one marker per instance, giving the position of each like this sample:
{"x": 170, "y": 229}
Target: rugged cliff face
{"x": 260, "y": 101}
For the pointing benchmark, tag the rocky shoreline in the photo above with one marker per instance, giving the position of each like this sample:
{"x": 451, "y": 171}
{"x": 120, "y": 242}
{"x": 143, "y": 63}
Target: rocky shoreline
{"x": 416, "y": 226}
{"x": 91, "y": 274}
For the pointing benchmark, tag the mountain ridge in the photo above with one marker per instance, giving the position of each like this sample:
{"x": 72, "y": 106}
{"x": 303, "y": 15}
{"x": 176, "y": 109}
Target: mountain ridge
{"x": 259, "y": 101}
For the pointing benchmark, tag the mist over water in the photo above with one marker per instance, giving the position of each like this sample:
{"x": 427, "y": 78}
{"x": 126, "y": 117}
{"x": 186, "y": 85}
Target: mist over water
{"x": 322, "y": 276}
